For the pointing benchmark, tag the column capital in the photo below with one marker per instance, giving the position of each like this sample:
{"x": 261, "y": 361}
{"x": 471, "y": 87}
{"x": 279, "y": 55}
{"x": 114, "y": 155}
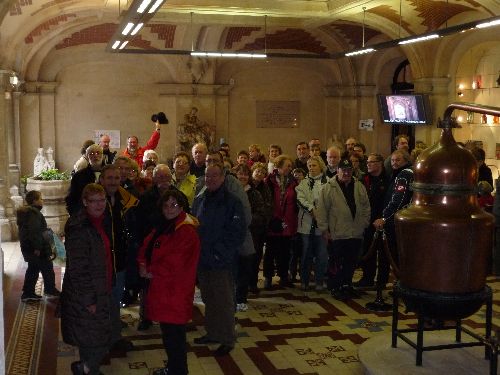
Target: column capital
{"x": 169, "y": 89}
{"x": 432, "y": 85}
{"x": 350, "y": 91}
{"x": 41, "y": 87}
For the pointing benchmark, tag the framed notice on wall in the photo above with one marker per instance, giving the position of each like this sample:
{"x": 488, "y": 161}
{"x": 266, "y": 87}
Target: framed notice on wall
{"x": 114, "y": 137}
{"x": 277, "y": 114}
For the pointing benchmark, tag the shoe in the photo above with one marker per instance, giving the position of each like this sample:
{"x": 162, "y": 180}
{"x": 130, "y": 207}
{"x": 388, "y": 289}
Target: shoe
{"x": 254, "y": 290}
{"x": 161, "y": 371}
{"x": 223, "y": 350}
{"x": 363, "y": 283}
{"x": 30, "y": 297}
{"x": 268, "y": 283}
{"x": 77, "y": 368}
{"x": 284, "y": 283}
{"x": 54, "y": 293}
{"x": 204, "y": 340}
{"x": 123, "y": 345}
{"x": 350, "y": 291}
{"x": 339, "y": 294}
{"x": 144, "y": 325}
{"x": 241, "y": 307}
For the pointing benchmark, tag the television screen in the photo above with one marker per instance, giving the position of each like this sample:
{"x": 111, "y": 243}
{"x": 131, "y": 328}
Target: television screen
{"x": 405, "y": 109}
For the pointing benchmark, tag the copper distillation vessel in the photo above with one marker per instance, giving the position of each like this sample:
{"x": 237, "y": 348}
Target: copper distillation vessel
{"x": 445, "y": 239}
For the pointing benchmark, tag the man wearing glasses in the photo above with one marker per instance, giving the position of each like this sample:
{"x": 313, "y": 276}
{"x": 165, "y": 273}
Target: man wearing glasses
{"x": 83, "y": 177}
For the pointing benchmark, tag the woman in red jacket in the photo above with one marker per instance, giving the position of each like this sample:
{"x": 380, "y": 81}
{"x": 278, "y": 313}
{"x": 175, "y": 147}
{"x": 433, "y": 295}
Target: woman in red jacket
{"x": 169, "y": 258}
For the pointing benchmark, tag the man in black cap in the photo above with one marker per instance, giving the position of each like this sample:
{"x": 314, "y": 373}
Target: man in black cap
{"x": 343, "y": 213}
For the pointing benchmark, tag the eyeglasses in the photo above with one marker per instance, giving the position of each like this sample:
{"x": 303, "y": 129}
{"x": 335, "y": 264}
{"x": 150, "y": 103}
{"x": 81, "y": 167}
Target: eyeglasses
{"x": 373, "y": 161}
{"x": 171, "y": 206}
{"x": 97, "y": 153}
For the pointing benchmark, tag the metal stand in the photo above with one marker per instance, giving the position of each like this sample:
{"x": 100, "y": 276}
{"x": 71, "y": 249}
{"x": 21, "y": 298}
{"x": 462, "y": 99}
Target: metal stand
{"x": 379, "y": 303}
{"x": 490, "y": 344}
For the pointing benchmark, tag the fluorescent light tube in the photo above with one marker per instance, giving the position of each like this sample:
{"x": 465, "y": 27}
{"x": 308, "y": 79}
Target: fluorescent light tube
{"x": 419, "y": 39}
{"x": 155, "y": 6}
{"x": 360, "y": 52}
{"x": 488, "y": 24}
{"x": 127, "y": 28}
{"x": 124, "y": 44}
{"x": 143, "y": 6}
{"x": 116, "y": 44}
{"x": 137, "y": 28}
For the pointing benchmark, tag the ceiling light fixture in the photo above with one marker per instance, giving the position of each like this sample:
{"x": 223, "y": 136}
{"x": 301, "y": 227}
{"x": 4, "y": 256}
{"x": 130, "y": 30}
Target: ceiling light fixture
{"x": 419, "y": 39}
{"x": 137, "y": 15}
{"x": 360, "y": 52}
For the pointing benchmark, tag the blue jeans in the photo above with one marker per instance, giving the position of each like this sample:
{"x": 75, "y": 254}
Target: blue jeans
{"x": 313, "y": 246}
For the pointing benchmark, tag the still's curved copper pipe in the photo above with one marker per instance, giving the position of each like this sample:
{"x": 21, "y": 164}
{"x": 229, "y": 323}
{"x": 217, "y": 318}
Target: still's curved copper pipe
{"x": 470, "y": 107}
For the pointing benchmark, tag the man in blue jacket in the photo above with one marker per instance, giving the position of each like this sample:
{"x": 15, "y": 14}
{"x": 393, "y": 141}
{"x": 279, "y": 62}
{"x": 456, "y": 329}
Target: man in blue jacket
{"x": 222, "y": 231}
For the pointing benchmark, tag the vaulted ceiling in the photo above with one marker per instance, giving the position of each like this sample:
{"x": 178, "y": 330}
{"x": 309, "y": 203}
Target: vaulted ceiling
{"x": 33, "y": 28}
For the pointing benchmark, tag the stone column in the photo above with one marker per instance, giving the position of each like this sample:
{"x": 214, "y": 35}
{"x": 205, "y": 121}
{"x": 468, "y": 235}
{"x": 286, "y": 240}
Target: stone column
{"x": 437, "y": 88}
{"x": 5, "y": 203}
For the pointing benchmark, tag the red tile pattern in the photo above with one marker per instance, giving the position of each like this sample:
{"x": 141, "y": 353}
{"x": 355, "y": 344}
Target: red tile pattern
{"x": 165, "y": 32}
{"x": 352, "y": 32}
{"x": 47, "y": 25}
{"x": 436, "y": 13}
{"x": 391, "y": 14}
{"x": 291, "y": 39}
{"x": 15, "y": 9}
{"x": 99, "y": 34}
{"x": 235, "y": 34}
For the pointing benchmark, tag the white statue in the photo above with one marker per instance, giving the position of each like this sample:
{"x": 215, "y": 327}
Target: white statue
{"x": 39, "y": 164}
{"x": 50, "y": 163}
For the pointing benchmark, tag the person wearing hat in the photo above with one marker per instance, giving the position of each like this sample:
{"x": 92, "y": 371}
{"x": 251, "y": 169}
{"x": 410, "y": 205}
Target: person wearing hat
{"x": 343, "y": 213}
{"x": 133, "y": 151}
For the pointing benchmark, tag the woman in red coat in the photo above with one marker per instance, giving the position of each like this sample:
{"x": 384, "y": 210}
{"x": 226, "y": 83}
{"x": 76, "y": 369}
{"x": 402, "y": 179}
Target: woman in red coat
{"x": 169, "y": 258}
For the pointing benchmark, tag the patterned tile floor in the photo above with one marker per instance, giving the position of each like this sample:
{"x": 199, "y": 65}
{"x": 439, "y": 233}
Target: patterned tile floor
{"x": 284, "y": 331}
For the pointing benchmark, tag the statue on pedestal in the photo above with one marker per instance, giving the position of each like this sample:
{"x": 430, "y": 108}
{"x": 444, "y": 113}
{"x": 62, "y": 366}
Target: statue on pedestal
{"x": 39, "y": 164}
{"x": 50, "y": 163}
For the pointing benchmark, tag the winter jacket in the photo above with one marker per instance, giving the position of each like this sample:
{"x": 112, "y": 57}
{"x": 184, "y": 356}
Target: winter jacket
{"x": 222, "y": 228}
{"x": 85, "y": 283}
{"x": 187, "y": 186}
{"x": 398, "y": 194}
{"x": 174, "y": 260}
{"x": 307, "y": 198}
{"x": 284, "y": 205}
{"x": 79, "y": 180}
{"x": 123, "y": 232}
{"x": 32, "y": 232}
{"x": 333, "y": 213}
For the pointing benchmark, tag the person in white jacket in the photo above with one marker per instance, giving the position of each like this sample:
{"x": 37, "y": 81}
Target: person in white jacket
{"x": 313, "y": 245}
{"x": 342, "y": 215}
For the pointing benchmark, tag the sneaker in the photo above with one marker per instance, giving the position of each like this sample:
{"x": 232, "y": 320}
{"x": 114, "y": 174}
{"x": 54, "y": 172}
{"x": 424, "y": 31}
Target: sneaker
{"x": 144, "y": 325}
{"x": 340, "y": 295}
{"x": 241, "y": 307}
{"x": 161, "y": 371}
{"x": 52, "y": 293}
{"x": 30, "y": 297}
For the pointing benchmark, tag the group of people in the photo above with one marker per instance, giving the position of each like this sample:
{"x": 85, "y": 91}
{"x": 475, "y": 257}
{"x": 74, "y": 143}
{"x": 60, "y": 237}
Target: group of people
{"x": 207, "y": 221}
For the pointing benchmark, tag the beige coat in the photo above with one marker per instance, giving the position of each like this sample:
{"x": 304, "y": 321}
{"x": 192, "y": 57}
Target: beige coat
{"x": 333, "y": 213}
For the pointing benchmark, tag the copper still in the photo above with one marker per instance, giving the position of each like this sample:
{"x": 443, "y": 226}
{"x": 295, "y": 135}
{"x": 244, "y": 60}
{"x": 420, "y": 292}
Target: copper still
{"x": 445, "y": 239}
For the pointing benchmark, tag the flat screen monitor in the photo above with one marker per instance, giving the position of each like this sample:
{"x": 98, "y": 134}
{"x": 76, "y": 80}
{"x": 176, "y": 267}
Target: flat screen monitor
{"x": 410, "y": 109}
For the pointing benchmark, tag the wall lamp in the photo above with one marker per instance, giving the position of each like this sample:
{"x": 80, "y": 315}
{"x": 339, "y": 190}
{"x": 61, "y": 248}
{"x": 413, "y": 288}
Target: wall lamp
{"x": 137, "y": 15}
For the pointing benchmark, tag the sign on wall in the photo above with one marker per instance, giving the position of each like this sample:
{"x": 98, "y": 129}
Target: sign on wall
{"x": 114, "y": 136}
{"x": 277, "y": 114}
{"x": 366, "y": 124}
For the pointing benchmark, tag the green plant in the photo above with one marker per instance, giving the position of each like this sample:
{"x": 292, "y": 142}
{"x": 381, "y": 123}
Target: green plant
{"x": 51, "y": 174}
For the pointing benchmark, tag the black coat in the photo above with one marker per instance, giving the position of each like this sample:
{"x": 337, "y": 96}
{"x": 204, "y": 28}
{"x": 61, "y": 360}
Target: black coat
{"x": 85, "y": 284}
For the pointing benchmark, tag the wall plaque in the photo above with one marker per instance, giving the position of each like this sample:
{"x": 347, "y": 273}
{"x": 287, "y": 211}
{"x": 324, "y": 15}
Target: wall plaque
{"x": 277, "y": 114}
